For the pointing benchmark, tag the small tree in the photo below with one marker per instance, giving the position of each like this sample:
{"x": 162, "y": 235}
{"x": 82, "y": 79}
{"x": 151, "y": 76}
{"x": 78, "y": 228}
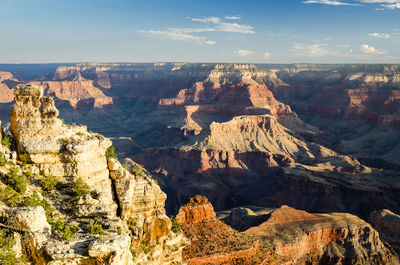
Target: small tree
{"x": 110, "y": 152}
{"x": 6, "y": 141}
{"x": 16, "y": 181}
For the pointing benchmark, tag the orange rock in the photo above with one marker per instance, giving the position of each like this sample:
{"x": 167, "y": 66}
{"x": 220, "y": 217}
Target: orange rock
{"x": 197, "y": 210}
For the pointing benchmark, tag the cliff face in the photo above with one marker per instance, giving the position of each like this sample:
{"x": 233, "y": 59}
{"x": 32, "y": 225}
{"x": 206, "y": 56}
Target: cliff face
{"x": 286, "y": 236}
{"x": 212, "y": 242}
{"x": 5, "y": 94}
{"x": 322, "y": 238}
{"x": 118, "y": 217}
{"x": 79, "y": 92}
{"x": 387, "y": 224}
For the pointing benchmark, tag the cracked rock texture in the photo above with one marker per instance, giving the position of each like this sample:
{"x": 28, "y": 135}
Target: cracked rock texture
{"x": 121, "y": 220}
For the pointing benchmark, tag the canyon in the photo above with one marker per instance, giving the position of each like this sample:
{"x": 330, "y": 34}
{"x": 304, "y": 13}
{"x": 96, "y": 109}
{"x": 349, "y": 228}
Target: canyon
{"x": 321, "y": 139}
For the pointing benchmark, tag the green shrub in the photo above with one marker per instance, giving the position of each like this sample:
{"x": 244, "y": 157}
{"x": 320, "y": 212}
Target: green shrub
{"x": 79, "y": 188}
{"x": 110, "y": 152}
{"x": 66, "y": 231}
{"x": 137, "y": 171}
{"x": 176, "y": 227}
{"x": 48, "y": 183}
{"x": 62, "y": 120}
{"x": 132, "y": 223}
{"x": 16, "y": 181}
{"x": 6, "y": 141}
{"x": 9, "y": 196}
{"x": 7, "y": 256}
{"x": 119, "y": 230}
{"x": 143, "y": 247}
{"x": 70, "y": 231}
{"x": 95, "y": 228}
{"x": 3, "y": 160}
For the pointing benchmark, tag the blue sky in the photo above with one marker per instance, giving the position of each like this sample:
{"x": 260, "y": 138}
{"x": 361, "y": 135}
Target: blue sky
{"x": 253, "y": 31}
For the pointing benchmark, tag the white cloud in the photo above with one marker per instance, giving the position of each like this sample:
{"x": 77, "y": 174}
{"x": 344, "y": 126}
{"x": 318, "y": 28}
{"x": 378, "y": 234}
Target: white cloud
{"x": 312, "y": 50}
{"x": 235, "y": 27}
{"x": 389, "y": 4}
{"x": 176, "y": 35}
{"x": 329, "y": 2}
{"x": 267, "y": 55}
{"x": 379, "y": 35}
{"x": 392, "y": 6}
{"x": 244, "y": 53}
{"x": 188, "y": 34}
{"x": 365, "y": 48}
{"x": 232, "y": 17}
{"x": 213, "y": 20}
{"x": 226, "y": 26}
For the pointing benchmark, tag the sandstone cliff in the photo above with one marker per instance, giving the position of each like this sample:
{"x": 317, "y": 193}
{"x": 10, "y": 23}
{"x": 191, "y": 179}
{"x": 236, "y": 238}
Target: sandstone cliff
{"x": 78, "y": 206}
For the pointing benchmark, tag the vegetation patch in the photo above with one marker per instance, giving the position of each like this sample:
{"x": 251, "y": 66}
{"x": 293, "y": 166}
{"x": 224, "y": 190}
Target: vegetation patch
{"x": 176, "y": 227}
{"x": 95, "y": 228}
{"x": 7, "y": 256}
{"x": 137, "y": 171}
{"x": 110, "y": 152}
{"x": 6, "y": 141}
{"x": 3, "y": 160}
{"x": 14, "y": 180}
{"x": 48, "y": 183}
{"x": 9, "y": 196}
{"x": 79, "y": 188}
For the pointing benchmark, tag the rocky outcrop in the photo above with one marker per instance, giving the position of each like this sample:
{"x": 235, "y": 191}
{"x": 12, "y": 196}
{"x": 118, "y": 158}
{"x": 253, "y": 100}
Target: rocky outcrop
{"x": 285, "y": 236}
{"x": 212, "y": 242}
{"x": 387, "y": 224}
{"x": 197, "y": 210}
{"x": 117, "y": 217}
{"x": 322, "y": 238}
{"x": 57, "y": 149}
{"x": 142, "y": 207}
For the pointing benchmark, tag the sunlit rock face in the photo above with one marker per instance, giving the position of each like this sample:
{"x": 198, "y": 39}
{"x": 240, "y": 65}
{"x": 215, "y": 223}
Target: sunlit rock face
{"x": 129, "y": 206}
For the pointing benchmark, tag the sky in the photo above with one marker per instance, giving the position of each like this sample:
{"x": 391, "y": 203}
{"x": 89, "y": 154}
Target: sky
{"x": 251, "y": 31}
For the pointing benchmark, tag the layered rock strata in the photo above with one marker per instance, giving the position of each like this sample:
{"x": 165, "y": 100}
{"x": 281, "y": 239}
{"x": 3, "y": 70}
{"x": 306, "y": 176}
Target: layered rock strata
{"x": 120, "y": 220}
{"x": 285, "y": 236}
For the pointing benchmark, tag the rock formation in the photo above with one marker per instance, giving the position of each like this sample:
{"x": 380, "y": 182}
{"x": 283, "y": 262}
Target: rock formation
{"x": 320, "y": 138}
{"x": 197, "y": 210}
{"x": 78, "y": 92}
{"x": 99, "y": 212}
{"x": 387, "y": 224}
{"x": 336, "y": 238}
{"x": 212, "y": 242}
{"x": 287, "y": 236}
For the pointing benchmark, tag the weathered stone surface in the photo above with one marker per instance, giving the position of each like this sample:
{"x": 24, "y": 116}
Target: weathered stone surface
{"x": 113, "y": 250}
{"x": 388, "y": 225}
{"x": 197, "y": 210}
{"x": 142, "y": 200}
{"x": 336, "y": 238}
{"x": 69, "y": 153}
{"x": 31, "y": 219}
{"x": 59, "y": 150}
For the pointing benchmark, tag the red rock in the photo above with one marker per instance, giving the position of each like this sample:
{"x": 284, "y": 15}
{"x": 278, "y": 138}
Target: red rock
{"x": 76, "y": 92}
{"x": 197, "y": 210}
{"x": 6, "y": 94}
